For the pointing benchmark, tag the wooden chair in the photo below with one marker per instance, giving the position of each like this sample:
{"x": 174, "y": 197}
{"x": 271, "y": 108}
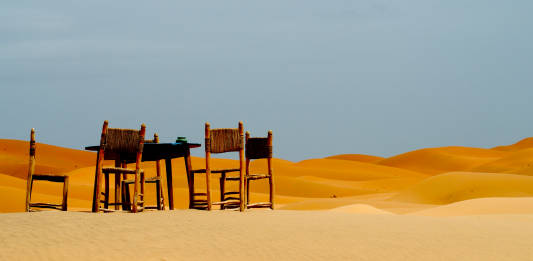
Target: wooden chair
{"x": 220, "y": 141}
{"x": 118, "y": 144}
{"x": 157, "y": 180}
{"x": 258, "y": 148}
{"x": 46, "y": 177}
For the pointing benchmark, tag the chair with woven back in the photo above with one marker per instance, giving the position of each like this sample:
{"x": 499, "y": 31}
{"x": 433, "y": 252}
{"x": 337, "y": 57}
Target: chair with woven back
{"x": 119, "y": 143}
{"x": 220, "y": 141}
{"x": 157, "y": 180}
{"x": 44, "y": 177}
{"x": 258, "y": 148}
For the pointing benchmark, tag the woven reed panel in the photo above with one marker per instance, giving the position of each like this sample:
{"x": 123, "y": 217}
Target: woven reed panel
{"x": 224, "y": 140}
{"x": 123, "y": 140}
{"x": 257, "y": 148}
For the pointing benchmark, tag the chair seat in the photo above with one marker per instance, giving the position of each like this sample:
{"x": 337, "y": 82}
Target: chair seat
{"x": 249, "y": 177}
{"x": 50, "y": 177}
{"x": 147, "y": 180}
{"x": 215, "y": 170}
{"x": 120, "y": 170}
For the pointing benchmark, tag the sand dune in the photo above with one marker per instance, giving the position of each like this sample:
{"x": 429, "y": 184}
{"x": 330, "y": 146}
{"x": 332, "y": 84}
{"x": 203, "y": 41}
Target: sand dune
{"x": 332, "y": 203}
{"x": 435, "y": 161}
{"x": 523, "y": 144}
{"x": 481, "y": 206}
{"x": 387, "y": 185}
{"x": 360, "y": 208}
{"x": 458, "y": 186}
{"x": 518, "y": 161}
{"x": 350, "y": 207}
{"x": 49, "y": 159}
{"x": 355, "y": 157}
{"x": 348, "y": 170}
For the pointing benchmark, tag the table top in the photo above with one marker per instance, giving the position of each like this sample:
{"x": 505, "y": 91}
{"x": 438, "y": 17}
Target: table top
{"x": 156, "y": 151}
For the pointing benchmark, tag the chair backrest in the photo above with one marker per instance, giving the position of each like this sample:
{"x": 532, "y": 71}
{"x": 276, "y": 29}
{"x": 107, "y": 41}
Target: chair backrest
{"x": 223, "y": 140}
{"x": 258, "y": 148}
{"x": 124, "y": 141}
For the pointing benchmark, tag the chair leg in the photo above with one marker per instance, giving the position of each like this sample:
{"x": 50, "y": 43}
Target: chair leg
{"x": 123, "y": 193}
{"x": 271, "y": 181}
{"x": 158, "y": 193}
{"x": 106, "y": 191}
{"x": 222, "y": 189}
{"x": 127, "y": 197}
{"x": 28, "y": 196}
{"x": 125, "y": 206}
{"x": 142, "y": 190}
{"x": 65, "y": 194}
{"x": 162, "y": 195}
{"x": 208, "y": 188}
{"x": 136, "y": 189}
{"x": 117, "y": 190}
{"x": 247, "y": 192}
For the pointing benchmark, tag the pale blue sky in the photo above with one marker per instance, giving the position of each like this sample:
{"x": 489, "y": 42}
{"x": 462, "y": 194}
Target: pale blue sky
{"x": 328, "y": 77}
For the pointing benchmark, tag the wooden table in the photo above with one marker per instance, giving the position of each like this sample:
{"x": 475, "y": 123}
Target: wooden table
{"x": 160, "y": 151}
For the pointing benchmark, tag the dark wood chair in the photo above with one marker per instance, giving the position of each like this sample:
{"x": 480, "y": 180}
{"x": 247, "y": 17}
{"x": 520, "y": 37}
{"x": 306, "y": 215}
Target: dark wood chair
{"x": 45, "y": 177}
{"x": 258, "y": 148}
{"x": 119, "y": 144}
{"x": 157, "y": 180}
{"x": 220, "y": 141}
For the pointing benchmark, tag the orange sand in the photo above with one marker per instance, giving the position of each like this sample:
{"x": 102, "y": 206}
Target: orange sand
{"x": 349, "y": 201}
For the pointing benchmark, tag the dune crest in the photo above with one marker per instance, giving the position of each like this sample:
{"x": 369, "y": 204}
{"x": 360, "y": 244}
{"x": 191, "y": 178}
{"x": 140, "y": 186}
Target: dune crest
{"x": 458, "y": 186}
{"x": 360, "y": 208}
{"x": 523, "y": 144}
{"x": 433, "y": 161}
{"x": 356, "y": 157}
{"x": 513, "y": 163}
{"x": 481, "y": 206}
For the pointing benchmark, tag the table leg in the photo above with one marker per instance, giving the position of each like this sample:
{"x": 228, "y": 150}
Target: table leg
{"x": 168, "y": 164}
{"x": 187, "y": 158}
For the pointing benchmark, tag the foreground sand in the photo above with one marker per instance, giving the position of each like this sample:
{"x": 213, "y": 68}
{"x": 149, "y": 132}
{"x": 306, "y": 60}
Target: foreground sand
{"x": 262, "y": 235}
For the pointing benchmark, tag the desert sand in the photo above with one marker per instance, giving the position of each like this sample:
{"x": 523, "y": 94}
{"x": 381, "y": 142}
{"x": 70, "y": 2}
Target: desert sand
{"x": 443, "y": 203}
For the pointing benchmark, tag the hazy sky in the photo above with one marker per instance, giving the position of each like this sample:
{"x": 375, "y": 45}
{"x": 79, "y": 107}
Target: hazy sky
{"x": 328, "y": 77}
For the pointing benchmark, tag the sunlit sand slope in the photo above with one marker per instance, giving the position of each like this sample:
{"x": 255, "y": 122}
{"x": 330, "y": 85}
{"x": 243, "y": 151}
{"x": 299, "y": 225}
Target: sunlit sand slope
{"x": 435, "y": 161}
{"x": 523, "y": 144}
{"x": 346, "y": 170}
{"x": 458, "y": 186}
{"x": 332, "y": 203}
{"x": 14, "y": 158}
{"x": 360, "y": 208}
{"x": 481, "y": 206}
{"x": 519, "y": 162}
{"x": 355, "y": 157}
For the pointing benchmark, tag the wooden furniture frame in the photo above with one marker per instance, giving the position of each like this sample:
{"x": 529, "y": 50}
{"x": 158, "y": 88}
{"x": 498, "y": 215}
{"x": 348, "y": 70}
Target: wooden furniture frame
{"x": 46, "y": 177}
{"x": 121, "y": 143}
{"x": 259, "y": 148}
{"x": 157, "y": 180}
{"x": 219, "y": 141}
{"x": 160, "y": 151}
